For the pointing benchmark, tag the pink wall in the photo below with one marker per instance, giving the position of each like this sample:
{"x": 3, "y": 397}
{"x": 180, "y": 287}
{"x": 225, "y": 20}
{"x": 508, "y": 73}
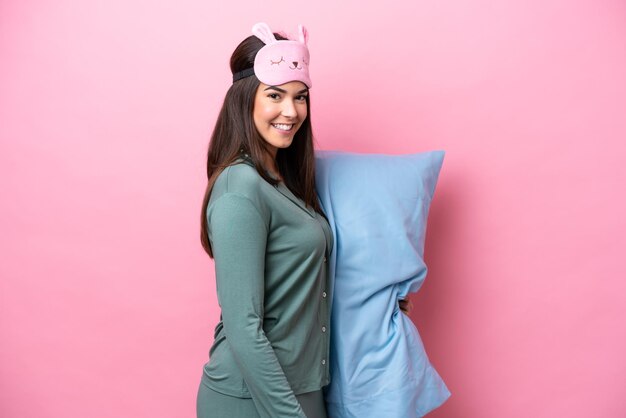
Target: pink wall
{"x": 107, "y": 301}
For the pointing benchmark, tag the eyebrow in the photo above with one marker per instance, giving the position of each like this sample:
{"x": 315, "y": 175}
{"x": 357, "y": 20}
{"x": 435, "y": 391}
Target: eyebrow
{"x": 285, "y": 91}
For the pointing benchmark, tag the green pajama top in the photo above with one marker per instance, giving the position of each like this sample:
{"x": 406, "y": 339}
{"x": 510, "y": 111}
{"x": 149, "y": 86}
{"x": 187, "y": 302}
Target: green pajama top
{"x": 270, "y": 252}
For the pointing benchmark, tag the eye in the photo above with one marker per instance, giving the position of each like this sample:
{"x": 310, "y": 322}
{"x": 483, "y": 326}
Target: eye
{"x": 301, "y": 97}
{"x": 274, "y": 96}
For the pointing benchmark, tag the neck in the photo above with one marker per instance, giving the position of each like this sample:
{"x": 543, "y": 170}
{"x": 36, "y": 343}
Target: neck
{"x": 270, "y": 164}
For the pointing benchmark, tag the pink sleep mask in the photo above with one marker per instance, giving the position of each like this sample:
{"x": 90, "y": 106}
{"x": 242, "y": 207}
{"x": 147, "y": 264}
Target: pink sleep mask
{"x": 279, "y": 61}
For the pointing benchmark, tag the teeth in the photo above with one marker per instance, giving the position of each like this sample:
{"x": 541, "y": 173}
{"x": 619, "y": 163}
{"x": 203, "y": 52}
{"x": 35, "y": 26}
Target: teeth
{"x": 284, "y": 127}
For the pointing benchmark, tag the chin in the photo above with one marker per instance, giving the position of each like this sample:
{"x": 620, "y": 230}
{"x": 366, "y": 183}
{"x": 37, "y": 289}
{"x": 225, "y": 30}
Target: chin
{"x": 286, "y": 144}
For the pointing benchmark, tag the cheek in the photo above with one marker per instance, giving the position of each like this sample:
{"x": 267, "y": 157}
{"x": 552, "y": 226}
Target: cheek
{"x": 260, "y": 111}
{"x": 302, "y": 111}
{"x": 265, "y": 111}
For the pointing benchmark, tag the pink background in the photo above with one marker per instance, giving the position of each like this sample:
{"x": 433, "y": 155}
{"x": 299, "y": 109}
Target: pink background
{"x": 107, "y": 302}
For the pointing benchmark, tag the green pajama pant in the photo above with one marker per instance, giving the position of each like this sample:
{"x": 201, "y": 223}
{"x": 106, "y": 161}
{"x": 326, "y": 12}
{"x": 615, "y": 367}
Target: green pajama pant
{"x": 212, "y": 404}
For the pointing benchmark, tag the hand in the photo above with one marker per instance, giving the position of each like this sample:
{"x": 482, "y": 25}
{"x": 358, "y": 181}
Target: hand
{"x": 405, "y": 305}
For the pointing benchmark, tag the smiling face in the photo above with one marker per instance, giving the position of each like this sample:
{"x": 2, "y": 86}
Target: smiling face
{"x": 279, "y": 111}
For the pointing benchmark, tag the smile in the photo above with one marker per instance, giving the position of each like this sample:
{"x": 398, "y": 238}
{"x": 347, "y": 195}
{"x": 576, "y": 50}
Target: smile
{"x": 283, "y": 126}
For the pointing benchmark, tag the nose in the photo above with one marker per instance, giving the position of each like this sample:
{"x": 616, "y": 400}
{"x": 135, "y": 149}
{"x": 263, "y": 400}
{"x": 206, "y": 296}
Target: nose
{"x": 289, "y": 109}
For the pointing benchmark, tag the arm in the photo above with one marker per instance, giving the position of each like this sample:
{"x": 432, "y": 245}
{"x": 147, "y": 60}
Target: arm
{"x": 239, "y": 237}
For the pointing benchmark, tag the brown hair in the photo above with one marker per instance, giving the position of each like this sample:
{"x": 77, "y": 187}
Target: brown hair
{"x": 235, "y": 133}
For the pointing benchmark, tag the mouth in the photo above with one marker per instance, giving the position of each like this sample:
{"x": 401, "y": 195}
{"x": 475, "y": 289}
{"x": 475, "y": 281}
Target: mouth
{"x": 283, "y": 127}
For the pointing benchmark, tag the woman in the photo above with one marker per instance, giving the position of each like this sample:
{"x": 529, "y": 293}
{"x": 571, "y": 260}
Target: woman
{"x": 263, "y": 225}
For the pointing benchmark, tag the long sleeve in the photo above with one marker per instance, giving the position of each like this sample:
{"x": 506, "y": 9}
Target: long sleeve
{"x": 238, "y": 237}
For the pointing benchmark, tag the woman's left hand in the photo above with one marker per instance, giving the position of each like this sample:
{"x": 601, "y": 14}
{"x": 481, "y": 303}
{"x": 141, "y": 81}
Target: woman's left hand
{"x": 405, "y": 305}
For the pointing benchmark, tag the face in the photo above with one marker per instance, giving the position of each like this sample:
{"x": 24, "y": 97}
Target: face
{"x": 279, "y": 111}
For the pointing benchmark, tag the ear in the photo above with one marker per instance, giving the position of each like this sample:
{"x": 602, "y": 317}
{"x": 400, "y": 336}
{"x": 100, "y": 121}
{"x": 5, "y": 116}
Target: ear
{"x": 262, "y": 31}
{"x": 303, "y": 34}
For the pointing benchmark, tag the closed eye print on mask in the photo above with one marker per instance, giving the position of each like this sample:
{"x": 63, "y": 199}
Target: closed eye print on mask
{"x": 277, "y": 62}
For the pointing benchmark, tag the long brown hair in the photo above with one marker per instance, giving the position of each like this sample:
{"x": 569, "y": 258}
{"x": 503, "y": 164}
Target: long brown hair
{"x": 235, "y": 133}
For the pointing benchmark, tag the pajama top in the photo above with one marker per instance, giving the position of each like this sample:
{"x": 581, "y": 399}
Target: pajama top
{"x": 270, "y": 252}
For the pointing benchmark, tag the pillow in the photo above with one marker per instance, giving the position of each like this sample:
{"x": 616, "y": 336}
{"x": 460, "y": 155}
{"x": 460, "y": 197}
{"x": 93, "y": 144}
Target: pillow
{"x": 377, "y": 206}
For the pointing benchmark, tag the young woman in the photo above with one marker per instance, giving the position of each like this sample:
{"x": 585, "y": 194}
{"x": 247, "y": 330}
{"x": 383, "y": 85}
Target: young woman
{"x": 263, "y": 226}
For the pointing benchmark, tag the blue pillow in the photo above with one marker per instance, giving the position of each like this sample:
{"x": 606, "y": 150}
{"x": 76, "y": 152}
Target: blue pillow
{"x": 377, "y": 206}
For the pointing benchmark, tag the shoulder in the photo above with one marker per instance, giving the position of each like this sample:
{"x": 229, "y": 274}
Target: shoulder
{"x": 241, "y": 177}
{"x": 241, "y": 182}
